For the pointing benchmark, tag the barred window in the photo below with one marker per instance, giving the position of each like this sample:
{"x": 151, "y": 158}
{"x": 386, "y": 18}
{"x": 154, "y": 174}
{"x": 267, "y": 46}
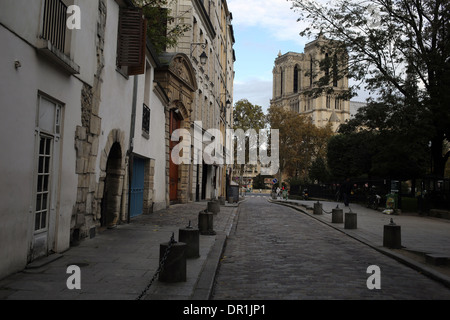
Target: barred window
{"x": 146, "y": 121}
{"x": 54, "y": 23}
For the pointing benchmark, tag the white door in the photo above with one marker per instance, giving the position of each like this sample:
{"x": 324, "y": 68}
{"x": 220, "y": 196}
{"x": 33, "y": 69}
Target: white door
{"x": 46, "y": 178}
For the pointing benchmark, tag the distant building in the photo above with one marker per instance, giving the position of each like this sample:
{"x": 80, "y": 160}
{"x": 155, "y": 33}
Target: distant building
{"x": 212, "y": 38}
{"x": 295, "y": 74}
{"x": 355, "y": 106}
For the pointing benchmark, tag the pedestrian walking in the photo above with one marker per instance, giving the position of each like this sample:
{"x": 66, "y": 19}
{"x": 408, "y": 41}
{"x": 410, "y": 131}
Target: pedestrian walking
{"x": 285, "y": 194}
{"x": 278, "y": 192}
{"x": 345, "y": 191}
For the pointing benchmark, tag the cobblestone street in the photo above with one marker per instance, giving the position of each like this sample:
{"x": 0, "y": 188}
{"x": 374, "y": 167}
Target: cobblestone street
{"x": 275, "y": 252}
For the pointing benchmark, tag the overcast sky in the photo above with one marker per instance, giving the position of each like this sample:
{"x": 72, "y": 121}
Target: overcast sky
{"x": 262, "y": 28}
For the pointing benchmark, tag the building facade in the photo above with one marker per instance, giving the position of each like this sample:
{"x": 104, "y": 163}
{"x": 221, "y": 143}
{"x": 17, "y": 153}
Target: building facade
{"x": 209, "y": 47}
{"x": 295, "y": 74}
{"x": 87, "y": 115}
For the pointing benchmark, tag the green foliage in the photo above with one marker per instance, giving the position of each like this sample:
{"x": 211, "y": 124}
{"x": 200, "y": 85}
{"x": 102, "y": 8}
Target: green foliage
{"x": 384, "y": 154}
{"x": 399, "y": 50}
{"x": 162, "y": 29}
{"x": 248, "y": 116}
{"x": 300, "y": 141}
{"x": 319, "y": 170}
{"x": 258, "y": 182}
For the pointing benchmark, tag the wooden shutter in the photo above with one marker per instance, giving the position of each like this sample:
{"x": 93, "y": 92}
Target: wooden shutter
{"x": 132, "y": 40}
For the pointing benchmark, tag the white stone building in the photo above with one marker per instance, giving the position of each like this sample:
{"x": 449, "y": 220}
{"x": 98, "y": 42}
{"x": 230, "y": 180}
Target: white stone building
{"x": 43, "y": 74}
{"x": 73, "y": 117}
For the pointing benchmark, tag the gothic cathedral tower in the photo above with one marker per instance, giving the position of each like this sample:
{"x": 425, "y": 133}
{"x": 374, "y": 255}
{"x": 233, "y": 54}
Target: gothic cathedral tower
{"x": 296, "y": 74}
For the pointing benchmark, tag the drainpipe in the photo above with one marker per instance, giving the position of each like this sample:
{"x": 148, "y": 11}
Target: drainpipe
{"x": 131, "y": 144}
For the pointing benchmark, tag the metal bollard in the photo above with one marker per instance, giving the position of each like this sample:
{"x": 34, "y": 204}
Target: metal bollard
{"x": 213, "y": 206}
{"x": 206, "y": 223}
{"x": 337, "y": 215}
{"x": 350, "y": 220}
{"x": 190, "y": 236}
{"x": 317, "y": 208}
{"x": 174, "y": 266}
{"x": 392, "y": 237}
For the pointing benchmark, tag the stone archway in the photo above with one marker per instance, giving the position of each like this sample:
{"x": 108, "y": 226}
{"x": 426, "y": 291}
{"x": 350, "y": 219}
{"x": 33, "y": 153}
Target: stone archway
{"x": 177, "y": 76}
{"x": 112, "y": 194}
{"x": 112, "y": 177}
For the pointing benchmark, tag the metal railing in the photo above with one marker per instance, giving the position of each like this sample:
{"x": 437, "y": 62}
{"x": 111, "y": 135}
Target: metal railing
{"x": 54, "y": 23}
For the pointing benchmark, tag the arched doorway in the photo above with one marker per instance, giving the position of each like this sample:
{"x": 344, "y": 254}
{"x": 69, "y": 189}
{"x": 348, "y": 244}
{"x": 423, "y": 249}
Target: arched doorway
{"x": 112, "y": 195}
{"x": 177, "y": 77}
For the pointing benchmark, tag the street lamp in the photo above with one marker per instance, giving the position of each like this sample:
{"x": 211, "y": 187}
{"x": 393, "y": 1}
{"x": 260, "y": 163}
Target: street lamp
{"x": 203, "y": 56}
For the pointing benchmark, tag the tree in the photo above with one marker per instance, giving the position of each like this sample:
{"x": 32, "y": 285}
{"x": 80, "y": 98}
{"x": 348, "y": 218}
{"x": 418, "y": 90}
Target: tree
{"x": 301, "y": 142}
{"x": 319, "y": 171}
{"x": 400, "y": 50}
{"x": 247, "y": 117}
{"x": 162, "y": 30}
{"x": 258, "y": 182}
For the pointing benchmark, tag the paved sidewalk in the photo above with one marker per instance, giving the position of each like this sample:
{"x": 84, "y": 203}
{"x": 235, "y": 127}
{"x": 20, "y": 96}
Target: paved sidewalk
{"x": 119, "y": 263}
{"x": 420, "y": 235}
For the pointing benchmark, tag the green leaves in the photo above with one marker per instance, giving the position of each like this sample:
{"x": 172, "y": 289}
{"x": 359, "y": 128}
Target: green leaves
{"x": 399, "y": 50}
{"x": 162, "y": 28}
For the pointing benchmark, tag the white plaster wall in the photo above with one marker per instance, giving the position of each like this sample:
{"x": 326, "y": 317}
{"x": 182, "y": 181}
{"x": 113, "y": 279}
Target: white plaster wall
{"x": 19, "y": 89}
{"x": 155, "y": 146}
{"x": 22, "y": 16}
{"x": 18, "y": 101}
{"x": 117, "y": 90}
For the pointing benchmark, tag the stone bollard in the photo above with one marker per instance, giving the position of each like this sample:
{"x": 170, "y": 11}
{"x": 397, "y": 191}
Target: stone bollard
{"x": 213, "y": 206}
{"x": 317, "y": 208}
{"x": 222, "y": 201}
{"x": 350, "y": 220}
{"x": 392, "y": 237}
{"x": 190, "y": 236}
{"x": 337, "y": 215}
{"x": 174, "y": 268}
{"x": 206, "y": 223}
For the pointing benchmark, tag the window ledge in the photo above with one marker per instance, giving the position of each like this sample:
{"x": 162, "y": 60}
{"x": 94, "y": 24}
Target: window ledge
{"x": 48, "y": 50}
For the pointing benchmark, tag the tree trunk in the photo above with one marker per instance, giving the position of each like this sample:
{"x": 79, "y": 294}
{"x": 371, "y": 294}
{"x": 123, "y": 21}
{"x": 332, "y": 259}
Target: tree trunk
{"x": 439, "y": 160}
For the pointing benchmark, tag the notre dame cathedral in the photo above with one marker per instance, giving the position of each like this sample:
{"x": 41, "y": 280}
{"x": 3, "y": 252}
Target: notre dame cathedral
{"x": 295, "y": 74}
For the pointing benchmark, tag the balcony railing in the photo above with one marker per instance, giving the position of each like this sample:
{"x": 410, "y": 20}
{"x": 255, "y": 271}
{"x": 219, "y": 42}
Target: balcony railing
{"x": 54, "y": 23}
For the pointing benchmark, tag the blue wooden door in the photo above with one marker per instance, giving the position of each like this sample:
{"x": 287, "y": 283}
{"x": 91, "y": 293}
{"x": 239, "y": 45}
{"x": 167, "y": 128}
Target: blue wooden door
{"x": 137, "y": 188}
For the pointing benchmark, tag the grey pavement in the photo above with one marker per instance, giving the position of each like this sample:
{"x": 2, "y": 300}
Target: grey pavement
{"x": 277, "y": 253}
{"x": 420, "y": 235}
{"x": 119, "y": 263}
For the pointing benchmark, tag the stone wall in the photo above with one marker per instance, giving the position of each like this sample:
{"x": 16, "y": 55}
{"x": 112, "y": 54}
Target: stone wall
{"x": 87, "y": 143}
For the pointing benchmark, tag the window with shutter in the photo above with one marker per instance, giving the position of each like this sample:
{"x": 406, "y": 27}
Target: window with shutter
{"x": 131, "y": 40}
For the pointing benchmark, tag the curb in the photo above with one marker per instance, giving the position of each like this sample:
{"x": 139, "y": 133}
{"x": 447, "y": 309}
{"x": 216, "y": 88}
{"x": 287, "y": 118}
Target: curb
{"x": 400, "y": 258}
{"x": 205, "y": 284}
